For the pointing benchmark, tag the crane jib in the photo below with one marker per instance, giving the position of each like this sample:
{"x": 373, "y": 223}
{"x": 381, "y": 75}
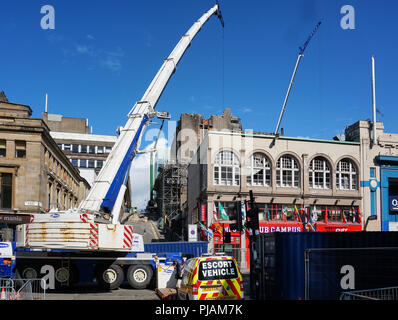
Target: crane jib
{"x": 107, "y": 193}
{"x": 113, "y": 191}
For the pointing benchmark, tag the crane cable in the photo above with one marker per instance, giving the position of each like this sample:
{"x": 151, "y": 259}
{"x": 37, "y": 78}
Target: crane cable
{"x": 223, "y": 68}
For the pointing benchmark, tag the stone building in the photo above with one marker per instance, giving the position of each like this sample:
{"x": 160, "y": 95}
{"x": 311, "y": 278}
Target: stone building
{"x": 87, "y": 152}
{"x": 191, "y": 130}
{"x": 379, "y": 172}
{"x": 170, "y": 185}
{"x": 318, "y": 179}
{"x": 35, "y": 175}
{"x": 336, "y": 185}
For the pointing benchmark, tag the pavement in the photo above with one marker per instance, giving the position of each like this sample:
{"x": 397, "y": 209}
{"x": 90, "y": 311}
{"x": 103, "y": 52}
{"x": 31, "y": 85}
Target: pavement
{"x": 91, "y": 291}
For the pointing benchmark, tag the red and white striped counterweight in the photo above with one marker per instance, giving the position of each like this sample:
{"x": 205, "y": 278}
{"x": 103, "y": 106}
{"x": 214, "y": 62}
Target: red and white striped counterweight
{"x": 76, "y": 231}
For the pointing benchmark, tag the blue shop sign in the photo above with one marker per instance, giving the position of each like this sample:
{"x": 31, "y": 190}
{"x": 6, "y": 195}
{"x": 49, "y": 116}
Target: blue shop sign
{"x": 393, "y": 203}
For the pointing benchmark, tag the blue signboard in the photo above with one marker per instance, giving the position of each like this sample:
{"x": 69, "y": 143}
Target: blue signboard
{"x": 393, "y": 203}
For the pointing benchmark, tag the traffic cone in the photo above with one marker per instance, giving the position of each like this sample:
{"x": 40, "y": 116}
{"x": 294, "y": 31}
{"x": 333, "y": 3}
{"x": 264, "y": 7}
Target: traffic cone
{"x": 3, "y": 294}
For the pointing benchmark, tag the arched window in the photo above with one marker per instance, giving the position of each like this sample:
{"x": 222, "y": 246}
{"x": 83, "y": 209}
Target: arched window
{"x": 258, "y": 171}
{"x": 287, "y": 172}
{"x": 319, "y": 174}
{"x": 346, "y": 175}
{"x": 226, "y": 169}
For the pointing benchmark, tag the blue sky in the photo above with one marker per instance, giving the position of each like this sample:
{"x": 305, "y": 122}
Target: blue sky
{"x": 102, "y": 55}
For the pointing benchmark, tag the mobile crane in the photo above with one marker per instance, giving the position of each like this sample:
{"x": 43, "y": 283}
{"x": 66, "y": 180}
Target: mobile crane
{"x": 70, "y": 241}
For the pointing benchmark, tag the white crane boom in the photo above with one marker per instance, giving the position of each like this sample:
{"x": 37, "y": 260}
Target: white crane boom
{"x": 109, "y": 184}
{"x": 95, "y": 224}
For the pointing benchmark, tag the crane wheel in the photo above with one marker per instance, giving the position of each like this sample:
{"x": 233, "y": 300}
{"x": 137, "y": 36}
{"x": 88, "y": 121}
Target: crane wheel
{"x": 28, "y": 271}
{"x": 110, "y": 276}
{"x": 139, "y": 276}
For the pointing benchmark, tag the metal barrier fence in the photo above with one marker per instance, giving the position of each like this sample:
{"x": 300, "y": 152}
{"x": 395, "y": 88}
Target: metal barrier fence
{"x": 22, "y": 289}
{"x": 7, "y": 291}
{"x": 238, "y": 253}
{"x": 372, "y": 294}
{"x": 32, "y": 289}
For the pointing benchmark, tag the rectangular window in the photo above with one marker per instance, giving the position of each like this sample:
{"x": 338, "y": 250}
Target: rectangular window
{"x": 296, "y": 178}
{"x": 229, "y": 176}
{"x": 237, "y": 176}
{"x": 100, "y": 149}
{"x": 317, "y": 213}
{"x": 347, "y": 214}
{"x": 345, "y": 166}
{"x": 268, "y": 177}
{"x": 75, "y": 162}
{"x": 223, "y": 180}
{"x": 91, "y": 163}
{"x": 258, "y": 177}
{"x": 83, "y": 163}
{"x": 20, "y": 149}
{"x": 263, "y": 213}
{"x": 83, "y": 149}
{"x": 216, "y": 176}
{"x": 287, "y": 178}
{"x": 353, "y": 183}
{"x": 108, "y": 149}
{"x": 67, "y": 147}
{"x": 272, "y": 212}
{"x": 99, "y": 163}
{"x": 372, "y": 172}
{"x": 91, "y": 149}
{"x": 334, "y": 214}
{"x": 75, "y": 148}
{"x": 277, "y": 212}
{"x": 249, "y": 179}
{"x": 5, "y": 190}
{"x": 327, "y": 184}
{"x": 229, "y": 208}
{"x": 286, "y": 163}
{"x": 226, "y": 179}
{"x": 345, "y": 181}
{"x": 319, "y": 182}
{"x": 2, "y": 148}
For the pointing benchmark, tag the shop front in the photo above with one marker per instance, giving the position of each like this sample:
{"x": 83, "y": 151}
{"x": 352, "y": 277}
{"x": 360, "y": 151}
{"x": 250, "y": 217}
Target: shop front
{"x": 278, "y": 218}
{"x": 389, "y": 192}
{"x": 8, "y": 223}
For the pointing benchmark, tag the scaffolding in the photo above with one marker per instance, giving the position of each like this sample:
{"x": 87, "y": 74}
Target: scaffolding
{"x": 169, "y": 186}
